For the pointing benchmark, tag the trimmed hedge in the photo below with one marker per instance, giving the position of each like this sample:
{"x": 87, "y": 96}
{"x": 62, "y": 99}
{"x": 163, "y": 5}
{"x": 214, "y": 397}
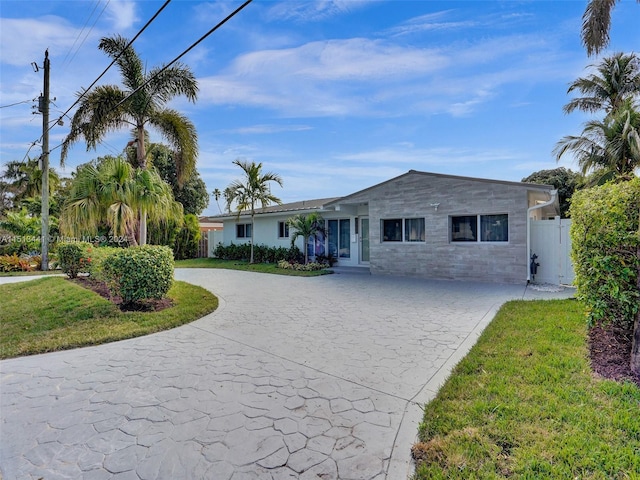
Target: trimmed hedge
{"x": 261, "y": 253}
{"x": 605, "y": 238}
{"x": 139, "y": 273}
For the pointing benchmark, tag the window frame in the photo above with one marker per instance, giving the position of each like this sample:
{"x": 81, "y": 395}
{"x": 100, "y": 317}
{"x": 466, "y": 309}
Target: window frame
{"x": 283, "y": 228}
{"x": 479, "y": 234}
{"x": 405, "y": 228}
{"x": 245, "y": 227}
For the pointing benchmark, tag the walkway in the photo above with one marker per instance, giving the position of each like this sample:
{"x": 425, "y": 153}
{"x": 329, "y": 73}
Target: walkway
{"x": 309, "y": 378}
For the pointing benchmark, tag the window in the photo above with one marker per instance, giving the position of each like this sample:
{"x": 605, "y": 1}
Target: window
{"x": 493, "y": 228}
{"x": 243, "y": 230}
{"x": 283, "y": 230}
{"x": 339, "y": 237}
{"x": 409, "y": 229}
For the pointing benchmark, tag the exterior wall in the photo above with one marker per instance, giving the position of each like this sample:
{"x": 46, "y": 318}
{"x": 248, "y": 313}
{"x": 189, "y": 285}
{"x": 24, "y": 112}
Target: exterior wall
{"x": 411, "y": 196}
{"x": 266, "y": 232}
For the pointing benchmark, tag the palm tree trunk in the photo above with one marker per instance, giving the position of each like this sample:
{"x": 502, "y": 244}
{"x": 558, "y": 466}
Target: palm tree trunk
{"x": 306, "y": 250}
{"x": 142, "y": 165}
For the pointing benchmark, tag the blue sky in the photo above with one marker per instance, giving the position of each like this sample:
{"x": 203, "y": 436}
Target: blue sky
{"x": 335, "y": 96}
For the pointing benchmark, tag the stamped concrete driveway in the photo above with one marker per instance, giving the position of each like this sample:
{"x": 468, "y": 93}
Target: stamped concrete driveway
{"x": 309, "y": 378}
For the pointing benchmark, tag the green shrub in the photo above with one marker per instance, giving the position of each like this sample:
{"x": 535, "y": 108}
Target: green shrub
{"x": 139, "y": 273}
{"x": 605, "y": 239}
{"x": 308, "y": 267}
{"x": 261, "y": 253}
{"x": 186, "y": 242}
{"x": 74, "y": 257}
{"x": 98, "y": 256}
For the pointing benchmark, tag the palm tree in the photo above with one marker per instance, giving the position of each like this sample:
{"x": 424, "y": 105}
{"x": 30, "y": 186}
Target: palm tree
{"x": 612, "y": 145}
{"x": 254, "y": 189}
{"x": 26, "y": 179}
{"x": 596, "y": 23}
{"x": 617, "y": 79}
{"x": 140, "y": 103}
{"x": 216, "y": 195}
{"x": 306, "y": 226}
{"x": 111, "y": 193}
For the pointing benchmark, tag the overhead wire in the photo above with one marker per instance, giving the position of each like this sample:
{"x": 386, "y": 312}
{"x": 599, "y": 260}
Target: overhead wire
{"x": 89, "y": 31}
{"x": 95, "y": 6}
{"x": 18, "y": 103}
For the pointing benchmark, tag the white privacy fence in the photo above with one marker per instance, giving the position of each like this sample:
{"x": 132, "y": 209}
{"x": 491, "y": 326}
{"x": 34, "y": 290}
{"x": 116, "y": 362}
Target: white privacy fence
{"x": 551, "y": 243}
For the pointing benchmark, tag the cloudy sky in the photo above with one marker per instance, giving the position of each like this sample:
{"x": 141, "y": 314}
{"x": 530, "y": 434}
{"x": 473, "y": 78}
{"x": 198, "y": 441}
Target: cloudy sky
{"x": 334, "y": 95}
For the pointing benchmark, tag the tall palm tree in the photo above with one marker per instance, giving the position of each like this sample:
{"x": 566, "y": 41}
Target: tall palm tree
{"x": 140, "y": 103}
{"x": 596, "y": 23}
{"x": 611, "y": 146}
{"x": 617, "y": 78}
{"x": 216, "y": 195}
{"x": 254, "y": 189}
{"x": 111, "y": 193}
{"x": 306, "y": 226}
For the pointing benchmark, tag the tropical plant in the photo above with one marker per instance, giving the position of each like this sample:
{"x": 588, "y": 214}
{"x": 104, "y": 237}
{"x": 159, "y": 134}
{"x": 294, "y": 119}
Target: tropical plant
{"x": 140, "y": 103}
{"x": 616, "y": 79}
{"x": 192, "y": 192}
{"x": 596, "y": 23}
{"x": 111, "y": 192}
{"x": 187, "y": 239}
{"x": 250, "y": 191}
{"x": 217, "y": 194}
{"x": 306, "y": 226}
{"x": 612, "y": 144}
{"x": 24, "y": 179}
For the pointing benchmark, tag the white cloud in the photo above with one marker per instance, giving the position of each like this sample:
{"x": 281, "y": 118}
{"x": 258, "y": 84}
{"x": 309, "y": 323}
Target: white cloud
{"x": 122, "y": 13}
{"x": 312, "y": 11}
{"x": 268, "y": 129}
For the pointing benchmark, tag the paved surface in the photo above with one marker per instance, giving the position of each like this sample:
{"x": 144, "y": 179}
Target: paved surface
{"x": 291, "y": 378}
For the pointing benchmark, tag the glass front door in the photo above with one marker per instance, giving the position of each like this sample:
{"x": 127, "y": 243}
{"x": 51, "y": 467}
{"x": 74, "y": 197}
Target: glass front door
{"x": 364, "y": 240}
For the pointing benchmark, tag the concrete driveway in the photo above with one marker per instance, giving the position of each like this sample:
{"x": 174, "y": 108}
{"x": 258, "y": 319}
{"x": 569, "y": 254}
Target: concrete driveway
{"x": 309, "y": 378}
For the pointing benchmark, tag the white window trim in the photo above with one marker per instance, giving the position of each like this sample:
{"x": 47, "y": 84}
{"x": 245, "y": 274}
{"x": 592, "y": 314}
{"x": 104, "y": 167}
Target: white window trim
{"x": 478, "y": 232}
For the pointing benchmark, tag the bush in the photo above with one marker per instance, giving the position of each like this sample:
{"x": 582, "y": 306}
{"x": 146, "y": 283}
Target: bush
{"x": 605, "y": 239}
{"x": 308, "y": 267}
{"x": 14, "y": 263}
{"x": 261, "y": 253}
{"x": 98, "y": 256}
{"x": 74, "y": 257}
{"x": 139, "y": 273}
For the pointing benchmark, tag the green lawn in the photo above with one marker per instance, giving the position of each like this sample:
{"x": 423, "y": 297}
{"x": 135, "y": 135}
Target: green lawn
{"x": 524, "y": 404}
{"x": 52, "y": 313}
{"x": 246, "y": 266}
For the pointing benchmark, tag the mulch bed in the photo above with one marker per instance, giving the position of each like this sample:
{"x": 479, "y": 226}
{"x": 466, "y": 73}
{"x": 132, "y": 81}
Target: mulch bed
{"x": 609, "y": 351}
{"x": 101, "y": 288}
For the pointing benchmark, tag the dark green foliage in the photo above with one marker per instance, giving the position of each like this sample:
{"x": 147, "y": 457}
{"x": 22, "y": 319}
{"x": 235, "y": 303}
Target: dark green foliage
{"x": 605, "y": 238}
{"x": 186, "y": 243}
{"x": 139, "y": 273}
{"x": 74, "y": 257}
{"x": 261, "y": 253}
{"x": 564, "y": 180}
{"x": 192, "y": 194}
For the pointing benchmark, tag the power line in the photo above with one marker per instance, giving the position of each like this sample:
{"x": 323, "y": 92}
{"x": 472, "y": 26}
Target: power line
{"x": 95, "y": 6}
{"x": 18, "y": 103}
{"x": 90, "y": 30}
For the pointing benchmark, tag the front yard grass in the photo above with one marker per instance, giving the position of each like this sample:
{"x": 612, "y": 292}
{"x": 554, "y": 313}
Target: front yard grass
{"x": 524, "y": 404}
{"x": 52, "y": 313}
{"x": 246, "y": 266}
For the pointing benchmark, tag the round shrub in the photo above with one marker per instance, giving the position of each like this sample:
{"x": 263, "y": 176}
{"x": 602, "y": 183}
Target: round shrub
{"x": 74, "y": 257}
{"x": 139, "y": 273}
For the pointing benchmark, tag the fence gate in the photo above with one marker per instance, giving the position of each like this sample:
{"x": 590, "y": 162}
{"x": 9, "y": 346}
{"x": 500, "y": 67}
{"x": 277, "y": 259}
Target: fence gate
{"x": 551, "y": 243}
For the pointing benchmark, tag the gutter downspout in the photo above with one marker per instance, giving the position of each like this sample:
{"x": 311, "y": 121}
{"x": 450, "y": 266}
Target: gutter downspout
{"x": 554, "y": 194}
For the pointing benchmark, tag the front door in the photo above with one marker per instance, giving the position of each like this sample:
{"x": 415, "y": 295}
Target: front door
{"x": 364, "y": 240}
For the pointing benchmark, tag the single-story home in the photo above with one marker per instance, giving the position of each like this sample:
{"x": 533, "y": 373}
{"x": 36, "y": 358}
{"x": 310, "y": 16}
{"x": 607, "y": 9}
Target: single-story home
{"x": 417, "y": 224}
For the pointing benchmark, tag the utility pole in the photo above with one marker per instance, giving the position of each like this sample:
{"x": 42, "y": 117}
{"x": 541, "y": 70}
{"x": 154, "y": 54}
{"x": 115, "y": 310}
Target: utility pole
{"x": 43, "y": 107}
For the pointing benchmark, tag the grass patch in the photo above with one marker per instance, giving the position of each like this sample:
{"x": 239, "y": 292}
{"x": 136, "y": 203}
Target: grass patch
{"x": 52, "y": 313}
{"x": 524, "y": 404}
{"x": 246, "y": 266}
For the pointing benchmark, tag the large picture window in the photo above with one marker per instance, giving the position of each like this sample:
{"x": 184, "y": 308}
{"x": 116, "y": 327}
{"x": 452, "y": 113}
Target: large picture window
{"x": 243, "y": 230}
{"x": 339, "y": 237}
{"x": 403, "y": 229}
{"x": 480, "y": 228}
